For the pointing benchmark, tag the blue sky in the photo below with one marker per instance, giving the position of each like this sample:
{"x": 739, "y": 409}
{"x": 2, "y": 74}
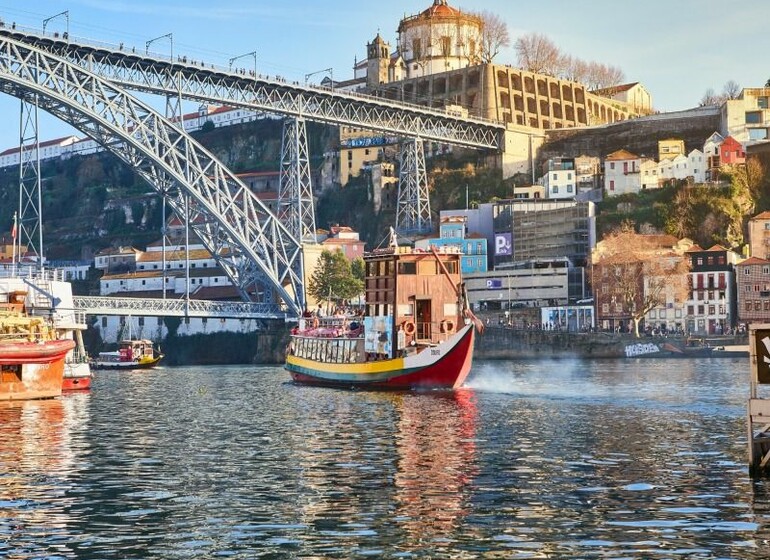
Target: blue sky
{"x": 677, "y": 49}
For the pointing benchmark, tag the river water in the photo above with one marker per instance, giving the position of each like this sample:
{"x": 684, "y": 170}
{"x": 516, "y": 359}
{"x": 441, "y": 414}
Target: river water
{"x": 596, "y": 459}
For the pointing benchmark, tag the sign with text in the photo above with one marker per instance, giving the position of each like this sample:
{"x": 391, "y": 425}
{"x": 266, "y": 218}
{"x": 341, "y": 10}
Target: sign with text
{"x": 494, "y": 284}
{"x": 503, "y": 245}
{"x": 760, "y": 347}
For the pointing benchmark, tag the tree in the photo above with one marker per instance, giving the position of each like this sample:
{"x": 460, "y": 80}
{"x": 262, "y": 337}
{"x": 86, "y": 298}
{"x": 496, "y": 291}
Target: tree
{"x": 710, "y": 98}
{"x": 494, "y": 36}
{"x": 731, "y": 90}
{"x": 634, "y": 274}
{"x": 333, "y": 279}
{"x": 537, "y": 53}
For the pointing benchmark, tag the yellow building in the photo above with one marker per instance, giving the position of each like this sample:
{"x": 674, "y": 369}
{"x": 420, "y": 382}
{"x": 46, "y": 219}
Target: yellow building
{"x": 670, "y": 148}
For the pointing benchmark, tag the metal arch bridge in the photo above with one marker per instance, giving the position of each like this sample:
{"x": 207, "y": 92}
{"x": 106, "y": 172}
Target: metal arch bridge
{"x": 253, "y": 247}
{"x": 163, "y": 75}
{"x": 108, "y": 305}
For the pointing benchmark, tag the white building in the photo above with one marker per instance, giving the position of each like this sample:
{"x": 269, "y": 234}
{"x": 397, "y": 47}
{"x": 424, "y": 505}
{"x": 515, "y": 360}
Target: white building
{"x": 439, "y": 39}
{"x": 622, "y": 173}
{"x": 559, "y": 178}
{"x": 50, "y": 149}
{"x": 696, "y": 163}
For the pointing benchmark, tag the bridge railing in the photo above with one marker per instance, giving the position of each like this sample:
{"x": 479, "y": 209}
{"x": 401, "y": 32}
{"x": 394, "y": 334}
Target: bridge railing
{"x": 184, "y": 60}
{"x": 104, "y": 305}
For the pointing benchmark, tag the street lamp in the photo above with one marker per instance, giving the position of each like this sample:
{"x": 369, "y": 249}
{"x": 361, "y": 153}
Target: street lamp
{"x": 329, "y": 70}
{"x": 168, "y": 36}
{"x": 252, "y": 53}
{"x": 66, "y": 14}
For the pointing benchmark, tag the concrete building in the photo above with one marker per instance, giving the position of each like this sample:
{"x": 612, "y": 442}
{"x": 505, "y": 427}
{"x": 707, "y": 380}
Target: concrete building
{"x": 696, "y": 164}
{"x": 559, "y": 178}
{"x": 670, "y": 148}
{"x": 712, "y": 305}
{"x": 454, "y": 232}
{"x": 759, "y": 236}
{"x": 731, "y": 152}
{"x": 747, "y": 118}
{"x": 633, "y": 95}
{"x": 752, "y": 278}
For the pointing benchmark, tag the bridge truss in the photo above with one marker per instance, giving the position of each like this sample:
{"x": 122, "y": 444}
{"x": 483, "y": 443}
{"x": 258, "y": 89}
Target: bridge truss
{"x": 246, "y": 239}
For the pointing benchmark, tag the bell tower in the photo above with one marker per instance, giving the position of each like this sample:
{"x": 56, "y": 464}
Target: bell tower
{"x": 378, "y": 58}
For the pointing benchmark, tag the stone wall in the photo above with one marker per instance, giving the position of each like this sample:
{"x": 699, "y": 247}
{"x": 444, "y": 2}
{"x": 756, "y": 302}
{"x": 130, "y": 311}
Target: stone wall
{"x": 639, "y": 136}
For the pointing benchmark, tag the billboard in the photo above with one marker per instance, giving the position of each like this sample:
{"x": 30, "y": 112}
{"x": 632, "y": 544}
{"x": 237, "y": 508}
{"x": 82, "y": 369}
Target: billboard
{"x": 494, "y": 284}
{"x": 503, "y": 245}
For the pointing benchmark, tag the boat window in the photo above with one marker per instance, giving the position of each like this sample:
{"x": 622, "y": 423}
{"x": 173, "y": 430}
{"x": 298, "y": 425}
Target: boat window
{"x": 451, "y": 267}
{"x": 407, "y": 267}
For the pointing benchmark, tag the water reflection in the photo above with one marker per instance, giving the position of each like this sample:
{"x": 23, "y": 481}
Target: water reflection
{"x": 39, "y": 460}
{"x": 541, "y": 459}
{"x": 435, "y": 443}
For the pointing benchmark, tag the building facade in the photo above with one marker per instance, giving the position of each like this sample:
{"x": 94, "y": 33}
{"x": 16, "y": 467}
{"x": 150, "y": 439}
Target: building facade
{"x": 712, "y": 305}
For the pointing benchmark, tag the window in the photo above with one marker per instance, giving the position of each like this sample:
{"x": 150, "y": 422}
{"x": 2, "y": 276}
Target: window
{"x": 754, "y": 117}
{"x": 556, "y": 189}
{"x": 712, "y": 310}
{"x": 746, "y": 271}
{"x": 700, "y": 310}
{"x": 612, "y": 185}
{"x": 569, "y": 188}
{"x": 605, "y": 308}
{"x": 612, "y": 165}
{"x": 748, "y": 306}
{"x": 757, "y": 134}
{"x": 652, "y": 314}
{"x": 104, "y": 322}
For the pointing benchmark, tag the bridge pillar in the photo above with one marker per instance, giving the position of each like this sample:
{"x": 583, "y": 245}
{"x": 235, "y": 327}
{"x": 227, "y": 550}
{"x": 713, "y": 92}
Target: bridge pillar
{"x": 295, "y": 193}
{"x": 29, "y": 228}
{"x": 413, "y": 210}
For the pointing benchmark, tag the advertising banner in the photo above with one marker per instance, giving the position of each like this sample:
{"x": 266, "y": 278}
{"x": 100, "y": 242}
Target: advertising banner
{"x": 503, "y": 245}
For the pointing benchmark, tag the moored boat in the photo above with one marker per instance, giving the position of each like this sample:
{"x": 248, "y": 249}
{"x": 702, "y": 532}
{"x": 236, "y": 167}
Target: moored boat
{"x": 416, "y": 330}
{"x": 31, "y": 358}
{"x": 131, "y": 354}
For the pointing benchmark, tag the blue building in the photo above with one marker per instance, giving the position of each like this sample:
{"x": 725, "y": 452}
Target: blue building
{"x": 453, "y": 233}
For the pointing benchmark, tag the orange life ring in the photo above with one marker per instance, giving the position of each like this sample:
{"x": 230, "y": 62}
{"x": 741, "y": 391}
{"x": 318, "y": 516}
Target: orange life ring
{"x": 409, "y": 327}
{"x": 447, "y": 326}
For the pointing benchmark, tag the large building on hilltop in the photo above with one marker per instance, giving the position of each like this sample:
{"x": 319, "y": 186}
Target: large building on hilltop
{"x": 438, "y": 62}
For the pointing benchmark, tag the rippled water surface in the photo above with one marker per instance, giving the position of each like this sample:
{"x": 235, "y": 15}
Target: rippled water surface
{"x": 602, "y": 459}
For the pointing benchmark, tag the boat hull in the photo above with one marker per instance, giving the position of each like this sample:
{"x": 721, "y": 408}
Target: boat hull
{"x": 445, "y": 366}
{"x": 32, "y": 370}
{"x": 133, "y": 364}
{"x": 77, "y": 376}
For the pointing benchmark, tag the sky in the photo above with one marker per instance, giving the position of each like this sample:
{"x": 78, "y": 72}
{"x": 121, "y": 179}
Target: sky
{"x": 677, "y": 49}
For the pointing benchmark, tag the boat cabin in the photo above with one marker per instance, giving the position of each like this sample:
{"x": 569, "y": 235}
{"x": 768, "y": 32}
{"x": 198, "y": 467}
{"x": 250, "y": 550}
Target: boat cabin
{"x": 413, "y": 299}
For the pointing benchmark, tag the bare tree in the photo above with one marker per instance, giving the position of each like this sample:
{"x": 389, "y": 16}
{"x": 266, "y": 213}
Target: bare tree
{"x": 494, "y": 36}
{"x": 537, "y": 53}
{"x": 633, "y": 274}
{"x": 731, "y": 90}
{"x": 710, "y": 98}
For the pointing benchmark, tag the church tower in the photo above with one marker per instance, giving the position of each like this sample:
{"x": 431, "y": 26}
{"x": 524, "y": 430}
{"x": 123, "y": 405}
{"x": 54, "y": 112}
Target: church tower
{"x": 377, "y": 58}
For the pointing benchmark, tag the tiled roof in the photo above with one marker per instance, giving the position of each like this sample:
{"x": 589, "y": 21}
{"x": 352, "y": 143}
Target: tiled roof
{"x": 753, "y": 260}
{"x": 621, "y": 155}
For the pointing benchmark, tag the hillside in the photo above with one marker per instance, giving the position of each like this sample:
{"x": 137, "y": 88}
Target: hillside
{"x": 96, "y": 201}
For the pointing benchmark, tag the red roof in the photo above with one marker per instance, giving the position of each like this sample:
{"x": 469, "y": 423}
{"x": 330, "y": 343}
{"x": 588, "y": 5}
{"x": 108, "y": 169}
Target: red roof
{"x": 753, "y": 260}
{"x": 762, "y": 216}
{"x": 621, "y": 155}
{"x": 440, "y": 9}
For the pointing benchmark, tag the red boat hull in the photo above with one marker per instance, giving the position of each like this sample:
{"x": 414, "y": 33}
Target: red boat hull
{"x": 447, "y": 369}
{"x": 76, "y": 383}
{"x": 32, "y": 370}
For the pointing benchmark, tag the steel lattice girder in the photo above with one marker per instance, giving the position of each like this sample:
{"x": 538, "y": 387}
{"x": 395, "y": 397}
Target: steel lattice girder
{"x": 413, "y": 210}
{"x": 137, "y": 71}
{"x": 295, "y": 192}
{"x": 243, "y": 235}
{"x": 109, "y": 305}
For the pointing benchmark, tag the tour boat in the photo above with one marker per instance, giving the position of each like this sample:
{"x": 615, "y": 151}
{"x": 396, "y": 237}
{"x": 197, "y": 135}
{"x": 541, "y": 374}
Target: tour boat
{"x": 131, "y": 354}
{"x": 416, "y": 332}
{"x": 31, "y": 357}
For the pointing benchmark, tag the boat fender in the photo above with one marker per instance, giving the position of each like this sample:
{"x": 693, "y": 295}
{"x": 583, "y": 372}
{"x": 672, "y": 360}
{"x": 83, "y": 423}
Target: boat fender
{"x": 447, "y": 326}
{"x": 409, "y": 327}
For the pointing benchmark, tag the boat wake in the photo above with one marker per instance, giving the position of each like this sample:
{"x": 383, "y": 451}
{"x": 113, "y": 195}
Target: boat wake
{"x": 559, "y": 383}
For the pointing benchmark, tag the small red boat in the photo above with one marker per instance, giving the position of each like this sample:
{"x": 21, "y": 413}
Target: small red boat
{"x": 416, "y": 332}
